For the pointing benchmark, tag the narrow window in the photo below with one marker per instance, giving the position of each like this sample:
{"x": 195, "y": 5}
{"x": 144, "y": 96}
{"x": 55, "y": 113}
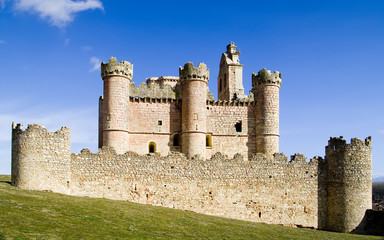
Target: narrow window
{"x": 238, "y": 126}
{"x": 225, "y": 80}
{"x": 160, "y": 123}
{"x": 220, "y": 82}
{"x": 208, "y": 140}
{"x": 176, "y": 140}
{"x": 152, "y": 147}
{"x": 195, "y": 116}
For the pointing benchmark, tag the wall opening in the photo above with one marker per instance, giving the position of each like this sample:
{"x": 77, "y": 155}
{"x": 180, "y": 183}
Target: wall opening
{"x": 176, "y": 140}
{"x": 220, "y": 82}
{"x": 208, "y": 140}
{"x": 225, "y": 80}
{"x": 152, "y": 147}
{"x": 160, "y": 122}
{"x": 238, "y": 126}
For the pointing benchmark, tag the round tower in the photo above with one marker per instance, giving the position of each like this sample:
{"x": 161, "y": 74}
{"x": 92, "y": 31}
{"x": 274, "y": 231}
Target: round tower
{"x": 116, "y": 77}
{"x": 348, "y": 182}
{"x": 194, "y": 109}
{"x": 266, "y": 86}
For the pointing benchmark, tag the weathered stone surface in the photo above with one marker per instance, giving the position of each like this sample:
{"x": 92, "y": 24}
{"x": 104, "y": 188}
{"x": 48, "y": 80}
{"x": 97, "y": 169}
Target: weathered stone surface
{"x": 262, "y": 188}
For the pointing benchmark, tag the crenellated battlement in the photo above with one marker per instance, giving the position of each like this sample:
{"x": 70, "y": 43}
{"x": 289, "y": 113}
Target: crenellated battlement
{"x": 154, "y": 90}
{"x": 194, "y": 73}
{"x": 37, "y": 128}
{"x": 265, "y": 77}
{"x": 337, "y": 144}
{"x": 114, "y": 68}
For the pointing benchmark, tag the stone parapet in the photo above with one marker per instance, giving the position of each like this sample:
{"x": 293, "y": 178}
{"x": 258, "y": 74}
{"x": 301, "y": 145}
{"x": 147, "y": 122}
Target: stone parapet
{"x": 114, "y": 68}
{"x": 265, "y": 76}
{"x": 194, "y": 73}
{"x": 153, "y": 90}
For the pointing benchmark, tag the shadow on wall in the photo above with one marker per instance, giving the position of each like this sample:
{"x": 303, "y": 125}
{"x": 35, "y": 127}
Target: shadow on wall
{"x": 251, "y": 144}
{"x": 321, "y": 195}
{"x": 372, "y": 223}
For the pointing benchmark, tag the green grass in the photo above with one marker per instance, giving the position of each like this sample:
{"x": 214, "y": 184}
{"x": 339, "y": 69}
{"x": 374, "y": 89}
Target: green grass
{"x": 45, "y": 215}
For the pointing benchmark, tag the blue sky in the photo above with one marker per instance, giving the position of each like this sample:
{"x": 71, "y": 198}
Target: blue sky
{"x": 331, "y": 55}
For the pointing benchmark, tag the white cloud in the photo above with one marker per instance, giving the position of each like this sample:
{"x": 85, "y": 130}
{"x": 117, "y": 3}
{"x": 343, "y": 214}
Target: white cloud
{"x": 96, "y": 64}
{"x": 381, "y": 132}
{"x": 59, "y": 12}
{"x": 2, "y": 42}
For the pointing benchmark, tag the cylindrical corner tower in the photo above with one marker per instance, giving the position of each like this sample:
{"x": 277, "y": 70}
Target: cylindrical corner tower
{"x": 117, "y": 77}
{"x": 266, "y": 86}
{"x": 194, "y": 109}
{"x": 348, "y": 182}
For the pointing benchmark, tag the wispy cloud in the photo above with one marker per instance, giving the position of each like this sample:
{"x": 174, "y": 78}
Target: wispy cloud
{"x": 2, "y": 42}
{"x": 381, "y": 131}
{"x": 59, "y": 12}
{"x": 2, "y": 3}
{"x": 95, "y": 64}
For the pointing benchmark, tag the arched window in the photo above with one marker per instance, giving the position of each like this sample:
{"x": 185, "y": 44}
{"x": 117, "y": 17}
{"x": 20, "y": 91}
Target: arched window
{"x": 152, "y": 147}
{"x": 208, "y": 140}
{"x": 176, "y": 140}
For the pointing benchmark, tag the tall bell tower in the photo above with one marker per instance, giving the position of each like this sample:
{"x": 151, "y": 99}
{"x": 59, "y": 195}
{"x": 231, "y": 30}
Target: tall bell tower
{"x": 230, "y": 79}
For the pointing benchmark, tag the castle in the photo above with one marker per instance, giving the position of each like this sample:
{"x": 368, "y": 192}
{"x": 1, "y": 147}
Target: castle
{"x": 179, "y": 114}
{"x": 169, "y": 143}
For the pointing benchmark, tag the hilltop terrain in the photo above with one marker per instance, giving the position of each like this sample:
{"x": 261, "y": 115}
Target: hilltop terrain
{"x": 45, "y": 215}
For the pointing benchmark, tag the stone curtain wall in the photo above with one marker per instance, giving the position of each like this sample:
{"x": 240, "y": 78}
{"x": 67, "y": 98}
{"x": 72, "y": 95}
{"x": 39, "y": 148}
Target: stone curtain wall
{"x": 41, "y": 159}
{"x": 331, "y": 194}
{"x": 260, "y": 189}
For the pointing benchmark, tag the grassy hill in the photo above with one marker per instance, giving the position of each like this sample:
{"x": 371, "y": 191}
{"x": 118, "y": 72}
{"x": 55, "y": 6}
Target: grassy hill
{"x": 45, "y": 215}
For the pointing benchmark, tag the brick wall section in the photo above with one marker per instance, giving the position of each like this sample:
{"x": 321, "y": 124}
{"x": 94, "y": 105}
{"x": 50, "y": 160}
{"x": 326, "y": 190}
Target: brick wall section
{"x": 41, "y": 159}
{"x": 144, "y": 117}
{"x": 221, "y": 124}
{"x": 349, "y": 182}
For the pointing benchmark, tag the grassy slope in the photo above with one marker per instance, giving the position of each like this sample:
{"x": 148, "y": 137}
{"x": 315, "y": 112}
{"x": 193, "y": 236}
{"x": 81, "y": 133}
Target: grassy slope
{"x": 45, "y": 215}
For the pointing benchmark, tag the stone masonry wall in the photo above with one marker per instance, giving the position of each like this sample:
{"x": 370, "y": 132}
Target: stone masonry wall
{"x": 260, "y": 189}
{"x": 331, "y": 194}
{"x": 41, "y": 159}
{"x": 349, "y": 182}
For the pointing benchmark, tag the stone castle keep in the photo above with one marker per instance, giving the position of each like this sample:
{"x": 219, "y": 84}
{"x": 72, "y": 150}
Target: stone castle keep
{"x": 169, "y": 143}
